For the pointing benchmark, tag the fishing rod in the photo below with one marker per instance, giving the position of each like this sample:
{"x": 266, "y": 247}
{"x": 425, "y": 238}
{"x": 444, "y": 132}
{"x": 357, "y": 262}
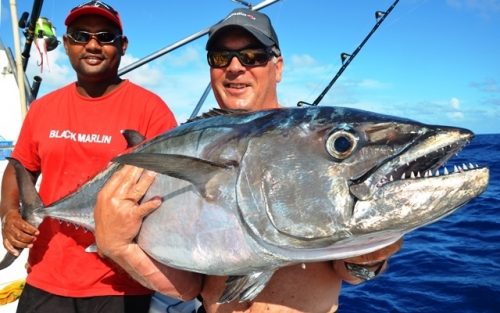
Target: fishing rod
{"x": 347, "y": 58}
{"x": 29, "y": 31}
{"x": 182, "y": 42}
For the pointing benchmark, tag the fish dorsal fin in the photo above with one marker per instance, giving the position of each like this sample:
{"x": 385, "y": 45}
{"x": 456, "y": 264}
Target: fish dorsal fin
{"x": 245, "y": 288}
{"x": 215, "y": 112}
{"x": 194, "y": 170}
{"x": 133, "y": 137}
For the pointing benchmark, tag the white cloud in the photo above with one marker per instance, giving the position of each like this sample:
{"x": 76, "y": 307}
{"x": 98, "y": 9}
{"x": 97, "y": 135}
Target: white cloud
{"x": 485, "y": 8}
{"x": 57, "y": 72}
{"x": 455, "y": 103}
{"x": 372, "y": 84}
{"x": 185, "y": 57}
{"x": 456, "y": 115}
{"x": 302, "y": 60}
{"x": 145, "y": 75}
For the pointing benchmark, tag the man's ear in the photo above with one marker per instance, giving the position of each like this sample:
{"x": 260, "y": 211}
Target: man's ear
{"x": 279, "y": 68}
{"x": 65, "y": 43}
{"x": 124, "y": 44}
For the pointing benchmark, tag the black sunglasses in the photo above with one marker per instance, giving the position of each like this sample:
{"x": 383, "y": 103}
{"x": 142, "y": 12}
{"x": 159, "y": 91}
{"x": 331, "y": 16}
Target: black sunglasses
{"x": 83, "y": 37}
{"x": 247, "y": 57}
{"x": 98, "y": 4}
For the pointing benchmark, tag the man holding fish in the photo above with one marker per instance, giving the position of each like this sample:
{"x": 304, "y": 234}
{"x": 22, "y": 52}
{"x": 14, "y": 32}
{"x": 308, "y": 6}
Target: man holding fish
{"x": 245, "y": 67}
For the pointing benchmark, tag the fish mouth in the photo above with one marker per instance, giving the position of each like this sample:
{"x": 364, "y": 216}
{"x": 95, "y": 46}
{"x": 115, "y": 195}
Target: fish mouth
{"x": 413, "y": 189}
{"x": 425, "y": 159}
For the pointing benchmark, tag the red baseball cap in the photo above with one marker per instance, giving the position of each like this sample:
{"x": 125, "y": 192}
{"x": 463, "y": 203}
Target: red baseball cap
{"x": 94, "y": 8}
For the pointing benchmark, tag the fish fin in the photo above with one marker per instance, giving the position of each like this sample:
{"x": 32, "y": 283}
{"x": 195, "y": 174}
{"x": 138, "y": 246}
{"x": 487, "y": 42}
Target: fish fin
{"x": 245, "y": 288}
{"x": 194, "y": 170}
{"x": 7, "y": 260}
{"x": 133, "y": 137}
{"x": 30, "y": 202}
{"x": 91, "y": 249}
{"x": 215, "y": 112}
{"x": 30, "y": 199}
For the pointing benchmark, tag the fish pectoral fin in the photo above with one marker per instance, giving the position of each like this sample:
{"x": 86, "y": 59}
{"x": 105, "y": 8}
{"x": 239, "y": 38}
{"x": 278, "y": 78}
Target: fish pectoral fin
{"x": 194, "y": 170}
{"x": 245, "y": 288}
{"x": 133, "y": 137}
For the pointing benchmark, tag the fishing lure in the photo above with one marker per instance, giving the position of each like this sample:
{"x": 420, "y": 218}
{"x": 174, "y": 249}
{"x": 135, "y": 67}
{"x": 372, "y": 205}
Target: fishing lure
{"x": 45, "y": 40}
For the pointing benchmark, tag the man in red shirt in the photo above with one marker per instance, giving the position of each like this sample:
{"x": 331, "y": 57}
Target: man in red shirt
{"x": 68, "y": 136}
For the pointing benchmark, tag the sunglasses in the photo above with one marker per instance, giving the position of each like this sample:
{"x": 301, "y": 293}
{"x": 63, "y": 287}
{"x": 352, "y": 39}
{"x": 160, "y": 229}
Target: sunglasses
{"x": 247, "y": 57}
{"x": 98, "y": 4}
{"x": 83, "y": 37}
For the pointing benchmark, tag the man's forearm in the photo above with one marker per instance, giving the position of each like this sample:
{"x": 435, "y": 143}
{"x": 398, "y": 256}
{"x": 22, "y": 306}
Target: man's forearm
{"x": 156, "y": 276}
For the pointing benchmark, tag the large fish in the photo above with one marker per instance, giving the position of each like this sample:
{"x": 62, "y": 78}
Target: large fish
{"x": 247, "y": 193}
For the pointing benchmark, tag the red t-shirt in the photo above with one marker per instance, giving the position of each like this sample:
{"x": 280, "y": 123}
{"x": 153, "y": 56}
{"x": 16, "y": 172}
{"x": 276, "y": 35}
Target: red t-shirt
{"x": 70, "y": 138}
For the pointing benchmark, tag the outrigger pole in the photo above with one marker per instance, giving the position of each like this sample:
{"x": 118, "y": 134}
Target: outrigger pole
{"x": 26, "y": 93}
{"x": 181, "y": 43}
{"x": 18, "y": 60}
{"x": 347, "y": 58}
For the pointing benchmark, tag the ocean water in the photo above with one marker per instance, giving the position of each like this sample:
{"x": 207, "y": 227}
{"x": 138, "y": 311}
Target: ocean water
{"x": 452, "y": 265}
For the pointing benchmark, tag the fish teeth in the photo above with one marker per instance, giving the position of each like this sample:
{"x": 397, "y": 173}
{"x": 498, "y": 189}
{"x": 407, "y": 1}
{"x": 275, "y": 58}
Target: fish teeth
{"x": 412, "y": 175}
{"x": 437, "y": 173}
{"x": 464, "y": 166}
{"x": 418, "y": 174}
{"x": 403, "y": 176}
{"x": 446, "y": 171}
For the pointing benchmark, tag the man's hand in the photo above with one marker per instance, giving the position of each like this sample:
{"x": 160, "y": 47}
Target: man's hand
{"x": 375, "y": 262}
{"x": 17, "y": 234}
{"x": 118, "y": 214}
{"x": 118, "y": 219}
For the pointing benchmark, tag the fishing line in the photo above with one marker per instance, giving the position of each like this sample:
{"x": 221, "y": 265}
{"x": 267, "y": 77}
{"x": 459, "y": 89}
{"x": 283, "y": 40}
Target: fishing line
{"x": 346, "y": 58}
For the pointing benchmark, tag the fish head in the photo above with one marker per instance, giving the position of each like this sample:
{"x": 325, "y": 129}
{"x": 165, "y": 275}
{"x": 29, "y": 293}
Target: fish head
{"x": 322, "y": 178}
{"x": 414, "y": 188}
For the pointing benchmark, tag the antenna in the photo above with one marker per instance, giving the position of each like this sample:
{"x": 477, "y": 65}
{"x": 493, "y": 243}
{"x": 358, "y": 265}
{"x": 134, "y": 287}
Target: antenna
{"x": 347, "y": 58}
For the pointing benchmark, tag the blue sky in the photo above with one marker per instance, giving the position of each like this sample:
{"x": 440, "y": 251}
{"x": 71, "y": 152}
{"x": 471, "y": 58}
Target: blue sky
{"x": 435, "y": 61}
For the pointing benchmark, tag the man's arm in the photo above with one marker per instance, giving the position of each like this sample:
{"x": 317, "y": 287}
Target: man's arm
{"x": 17, "y": 234}
{"x": 118, "y": 218}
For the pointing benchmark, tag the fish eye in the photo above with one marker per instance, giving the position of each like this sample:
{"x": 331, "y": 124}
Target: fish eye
{"x": 340, "y": 144}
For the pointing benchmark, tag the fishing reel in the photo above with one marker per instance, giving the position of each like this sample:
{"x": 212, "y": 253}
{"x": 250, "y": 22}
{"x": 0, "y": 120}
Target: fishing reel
{"x": 43, "y": 29}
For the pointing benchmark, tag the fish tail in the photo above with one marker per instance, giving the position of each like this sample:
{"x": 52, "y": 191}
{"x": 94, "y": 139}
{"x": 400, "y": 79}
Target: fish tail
{"x": 30, "y": 203}
{"x": 7, "y": 260}
{"x": 30, "y": 199}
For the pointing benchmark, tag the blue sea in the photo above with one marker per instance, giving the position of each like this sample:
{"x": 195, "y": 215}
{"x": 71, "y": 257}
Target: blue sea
{"x": 452, "y": 265}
